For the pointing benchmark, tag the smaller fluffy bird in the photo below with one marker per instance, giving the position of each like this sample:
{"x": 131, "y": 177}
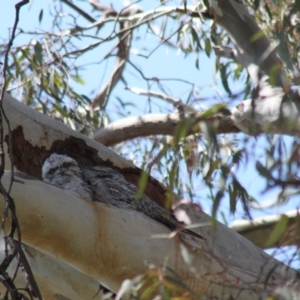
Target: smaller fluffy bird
{"x": 63, "y": 171}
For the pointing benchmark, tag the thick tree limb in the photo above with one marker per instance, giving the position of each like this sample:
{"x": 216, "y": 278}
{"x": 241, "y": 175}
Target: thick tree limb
{"x": 267, "y": 113}
{"x": 159, "y": 124}
{"x": 109, "y": 244}
{"x": 259, "y": 230}
{"x": 55, "y": 222}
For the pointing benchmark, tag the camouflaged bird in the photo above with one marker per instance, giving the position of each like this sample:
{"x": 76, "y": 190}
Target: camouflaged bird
{"x": 106, "y": 185}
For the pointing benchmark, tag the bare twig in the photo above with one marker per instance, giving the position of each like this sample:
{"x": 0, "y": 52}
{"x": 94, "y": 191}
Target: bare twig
{"x": 158, "y": 80}
{"x": 79, "y": 10}
{"x": 137, "y": 18}
{"x": 174, "y": 101}
{"x": 163, "y": 41}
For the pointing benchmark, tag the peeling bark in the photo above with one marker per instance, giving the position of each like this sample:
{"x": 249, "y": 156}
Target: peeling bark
{"x": 36, "y": 136}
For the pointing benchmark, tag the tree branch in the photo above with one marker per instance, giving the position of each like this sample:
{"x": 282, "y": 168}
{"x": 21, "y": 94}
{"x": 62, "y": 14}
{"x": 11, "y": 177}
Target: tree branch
{"x": 271, "y": 112}
{"x": 249, "y": 38}
{"x": 177, "y": 103}
{"x": 110, "y": 243}
{"x": 259, "y": 230}
{"x": 160, "y": 124}
{"x": 122, "y": 57}
{"x": 79, "y": 10}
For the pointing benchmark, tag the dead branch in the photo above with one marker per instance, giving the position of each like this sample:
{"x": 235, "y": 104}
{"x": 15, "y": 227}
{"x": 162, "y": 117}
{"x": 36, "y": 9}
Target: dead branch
{"x": 79, "y": 10}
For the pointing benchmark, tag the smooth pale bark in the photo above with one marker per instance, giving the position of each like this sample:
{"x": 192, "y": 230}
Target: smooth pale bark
{"x": 258, "y": 229}
{"x": 159, "y": 124}
{"x": 56, "y": 279}
{"x": 269, "y": 113}
{"x": 102, "y": 242}
{"x": 110, "y": 245}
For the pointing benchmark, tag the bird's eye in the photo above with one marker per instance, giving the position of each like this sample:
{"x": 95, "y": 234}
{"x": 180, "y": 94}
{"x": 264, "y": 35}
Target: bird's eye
{"x": 51, "y": 171}
{"x": 67, "y": 165}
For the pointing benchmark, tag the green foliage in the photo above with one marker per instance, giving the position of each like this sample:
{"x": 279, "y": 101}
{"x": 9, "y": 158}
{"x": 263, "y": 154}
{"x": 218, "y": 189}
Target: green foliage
{"x": 278, "y": 231}
{"x": 280, "y": 19}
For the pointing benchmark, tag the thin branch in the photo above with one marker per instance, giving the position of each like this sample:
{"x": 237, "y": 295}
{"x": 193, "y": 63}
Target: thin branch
{"x": 79, "y": 10}
{"x": 137, "y": 19}
{"x": 172, "y": 100}
{"x": 13, "y": 246}
{"x": 163, "y": 41}
{"x": 155, "y": 79}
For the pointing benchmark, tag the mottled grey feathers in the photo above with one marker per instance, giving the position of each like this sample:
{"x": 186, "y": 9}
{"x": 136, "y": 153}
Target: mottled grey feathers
{"x": 121, "y": 193}
{"x": 105, "y": 185}
{"x": 63, "y": 171}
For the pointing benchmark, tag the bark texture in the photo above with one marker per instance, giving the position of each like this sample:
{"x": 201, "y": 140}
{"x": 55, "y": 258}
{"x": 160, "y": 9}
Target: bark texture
{"x": 108, "y": 244}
